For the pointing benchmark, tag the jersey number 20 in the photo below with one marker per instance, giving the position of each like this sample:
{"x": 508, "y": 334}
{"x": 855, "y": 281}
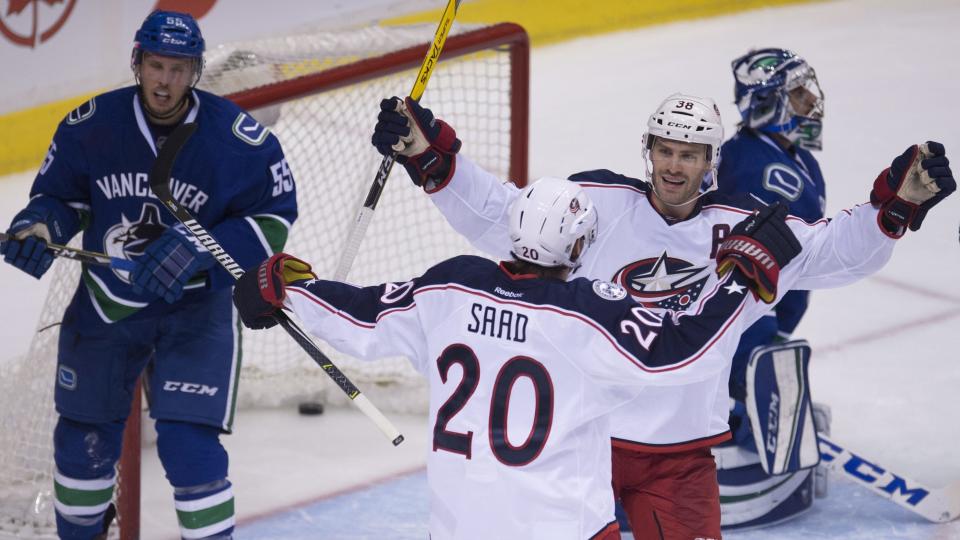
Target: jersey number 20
{"x": 516, "y": 367}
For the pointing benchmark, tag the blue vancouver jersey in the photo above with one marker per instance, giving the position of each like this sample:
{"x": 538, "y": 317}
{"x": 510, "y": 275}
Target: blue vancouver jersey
{"x": 232, "y": 176}
{"x": 752, "y": 162}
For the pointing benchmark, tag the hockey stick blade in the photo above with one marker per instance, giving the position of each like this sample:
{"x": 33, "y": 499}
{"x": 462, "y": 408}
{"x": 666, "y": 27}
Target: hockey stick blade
{"x": 83, "y": 256}
{"x": 160, "y": 184}
{"x": 359, "y": 229}
{"x": 939, "y": 505}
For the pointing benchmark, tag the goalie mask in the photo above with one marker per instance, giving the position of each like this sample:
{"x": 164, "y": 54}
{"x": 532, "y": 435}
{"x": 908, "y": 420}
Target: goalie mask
{"x": 777, "y": 92}
{"x": 547, "y": 220}
{"x": 688, "y": 119}
{"x": 169, "y": 33}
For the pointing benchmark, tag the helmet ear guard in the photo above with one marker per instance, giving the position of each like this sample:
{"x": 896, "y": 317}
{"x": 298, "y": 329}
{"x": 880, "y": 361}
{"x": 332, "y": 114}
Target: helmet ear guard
{"x": 548, "y": 220}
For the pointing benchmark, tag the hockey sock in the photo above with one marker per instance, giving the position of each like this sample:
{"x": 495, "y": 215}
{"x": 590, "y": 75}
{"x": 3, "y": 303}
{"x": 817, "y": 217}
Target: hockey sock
{"x": 85, "y": 455}
{"x": 196, "y": 466}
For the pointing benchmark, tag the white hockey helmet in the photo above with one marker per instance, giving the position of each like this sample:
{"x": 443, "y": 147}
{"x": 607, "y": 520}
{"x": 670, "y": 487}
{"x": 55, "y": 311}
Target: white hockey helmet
{"x": 547, "y": 220}
{"x": 690, "y": 119}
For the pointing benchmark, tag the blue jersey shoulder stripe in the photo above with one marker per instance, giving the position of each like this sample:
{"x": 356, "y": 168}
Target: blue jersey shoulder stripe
{"x": 604, "y": 176}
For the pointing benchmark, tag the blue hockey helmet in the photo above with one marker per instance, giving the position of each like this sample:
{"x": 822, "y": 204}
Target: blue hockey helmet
{"x": 169, "y": 33}
{"x": 777, "y": 91}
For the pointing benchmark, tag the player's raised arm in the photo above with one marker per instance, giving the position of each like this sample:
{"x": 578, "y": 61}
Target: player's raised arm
{"x": 474, "y": 202}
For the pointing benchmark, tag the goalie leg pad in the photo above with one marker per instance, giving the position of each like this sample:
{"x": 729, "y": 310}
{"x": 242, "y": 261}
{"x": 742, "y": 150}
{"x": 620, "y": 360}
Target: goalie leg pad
{"x": 750, "y": 498}
{"x": 779, "y": 407}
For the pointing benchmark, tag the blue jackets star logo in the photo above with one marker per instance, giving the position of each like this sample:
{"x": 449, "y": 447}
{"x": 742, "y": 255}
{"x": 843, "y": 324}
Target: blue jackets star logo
{"x": 664, "y": 282}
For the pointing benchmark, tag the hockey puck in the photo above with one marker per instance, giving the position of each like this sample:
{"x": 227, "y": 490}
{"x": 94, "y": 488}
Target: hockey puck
{"x": 310, "y": 408}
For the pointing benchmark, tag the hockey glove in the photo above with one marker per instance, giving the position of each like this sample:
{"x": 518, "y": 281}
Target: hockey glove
{"x": 760, "y": 246}
{"x": 168, "y": 263}
{"x": 27, "y": 247}
{"x": 917, "y": 180}
{"x": 260, "y": 292}
{"x": 44, "y": 220}
{"x": 425, "y": 145}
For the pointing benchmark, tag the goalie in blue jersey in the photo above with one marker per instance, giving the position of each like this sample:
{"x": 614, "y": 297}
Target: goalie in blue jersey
{"x": 781, "y": 106}
{"x": 173, "y": 309}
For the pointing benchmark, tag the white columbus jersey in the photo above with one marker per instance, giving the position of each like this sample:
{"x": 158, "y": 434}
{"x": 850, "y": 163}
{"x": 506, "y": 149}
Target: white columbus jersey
{"x": 668, "y": 265}
{"x": 523, "y": 375}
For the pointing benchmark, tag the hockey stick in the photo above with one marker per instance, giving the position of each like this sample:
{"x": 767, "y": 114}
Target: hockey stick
{"x": 80, "y": 255}
{"x": 160, "y": 184}
{"x": 362, "y": 221}
{"x": 939, "y": 505}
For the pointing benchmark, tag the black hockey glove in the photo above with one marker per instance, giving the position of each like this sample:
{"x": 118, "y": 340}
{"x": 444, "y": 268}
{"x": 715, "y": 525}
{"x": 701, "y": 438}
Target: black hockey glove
{"x": 917, "y": 180}
{"x": 760, "y": 246}
{"x": 259, "y": 292}
{"x": 425, "y": 145}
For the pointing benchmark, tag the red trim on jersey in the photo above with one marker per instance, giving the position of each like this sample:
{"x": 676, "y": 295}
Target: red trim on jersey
{"x": 590, "y": 322}
{"x": 610, "y": 532}
{"x": 319, "y": 301}
{"x": 670, "y": 448}
{"x": 515, "y": 276}
{"x": 614, "y": 186}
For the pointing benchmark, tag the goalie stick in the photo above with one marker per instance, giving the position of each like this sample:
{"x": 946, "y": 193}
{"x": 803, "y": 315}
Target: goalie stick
{"x": 939, "y": 505}
{"x": 80, "y": 255}
{"x": 362, "y": 221}
{"x": 160, "y": 184}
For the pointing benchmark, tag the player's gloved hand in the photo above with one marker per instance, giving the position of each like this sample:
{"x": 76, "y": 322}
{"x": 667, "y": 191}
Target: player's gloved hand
{"x": 917, "y": 180}
{"x": 760, "y": 246}
{"x": 168, "y": 263}
{"x": 27, "y": 246}
{"x": 260, "y": 292}
{"x": 424, "y": 145}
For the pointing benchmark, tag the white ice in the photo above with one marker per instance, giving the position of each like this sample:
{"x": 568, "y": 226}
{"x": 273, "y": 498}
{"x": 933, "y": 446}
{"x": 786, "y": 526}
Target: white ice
{"x": 884, "y": 349}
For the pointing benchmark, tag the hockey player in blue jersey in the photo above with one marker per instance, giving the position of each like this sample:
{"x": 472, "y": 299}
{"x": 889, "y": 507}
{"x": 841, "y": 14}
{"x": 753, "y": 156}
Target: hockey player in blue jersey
{"x": 769, "y": 157}
{"x": 173, "y": 310}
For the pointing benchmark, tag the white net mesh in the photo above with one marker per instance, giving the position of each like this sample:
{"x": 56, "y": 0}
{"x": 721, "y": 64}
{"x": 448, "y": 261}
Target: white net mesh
{"x": 326, "y": 138}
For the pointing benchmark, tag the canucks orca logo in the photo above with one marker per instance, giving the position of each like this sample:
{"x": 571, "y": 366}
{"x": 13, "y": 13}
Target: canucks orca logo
{"x": 129, "y": 238}
{"x": 663, "y": 282}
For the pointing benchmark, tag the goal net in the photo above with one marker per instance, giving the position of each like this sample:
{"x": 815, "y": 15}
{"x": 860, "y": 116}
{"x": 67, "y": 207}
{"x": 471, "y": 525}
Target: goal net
{"x": 319, "y": 94}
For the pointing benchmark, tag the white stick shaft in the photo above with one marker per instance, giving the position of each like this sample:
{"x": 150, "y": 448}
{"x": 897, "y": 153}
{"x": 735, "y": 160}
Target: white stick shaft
{"x": 374, "y": 414}
{"x": 352, "y": 246}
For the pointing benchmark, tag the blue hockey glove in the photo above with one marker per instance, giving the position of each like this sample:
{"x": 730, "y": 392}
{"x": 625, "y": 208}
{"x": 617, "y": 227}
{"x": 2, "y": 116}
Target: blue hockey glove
{"x": 168, "y": 263}
{"x": 27, "y": 249}
{"x": 425, "y": 145}
{"x": 916, "y": 181}
{"x": 760, "y": 246}
{"x": 259, "y": 292}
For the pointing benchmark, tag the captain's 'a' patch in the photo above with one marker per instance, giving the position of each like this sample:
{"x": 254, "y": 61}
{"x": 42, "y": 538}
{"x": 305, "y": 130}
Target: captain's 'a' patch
{"x": 609, "y": 291}
{"x": 249, "y": 130}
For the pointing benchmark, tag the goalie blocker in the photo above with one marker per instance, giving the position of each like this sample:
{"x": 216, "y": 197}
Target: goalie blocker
{"x": 774, "y": 479}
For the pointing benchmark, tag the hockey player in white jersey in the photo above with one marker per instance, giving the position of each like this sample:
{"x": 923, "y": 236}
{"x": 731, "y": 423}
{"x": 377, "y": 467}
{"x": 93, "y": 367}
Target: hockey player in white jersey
{"x": 660, "y": 241}
{"x": 524, "y": 366}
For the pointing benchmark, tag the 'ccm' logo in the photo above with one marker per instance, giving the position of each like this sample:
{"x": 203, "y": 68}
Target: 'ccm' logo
{"x": 190, "y": 388}
{"x": 870, "y": 474}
